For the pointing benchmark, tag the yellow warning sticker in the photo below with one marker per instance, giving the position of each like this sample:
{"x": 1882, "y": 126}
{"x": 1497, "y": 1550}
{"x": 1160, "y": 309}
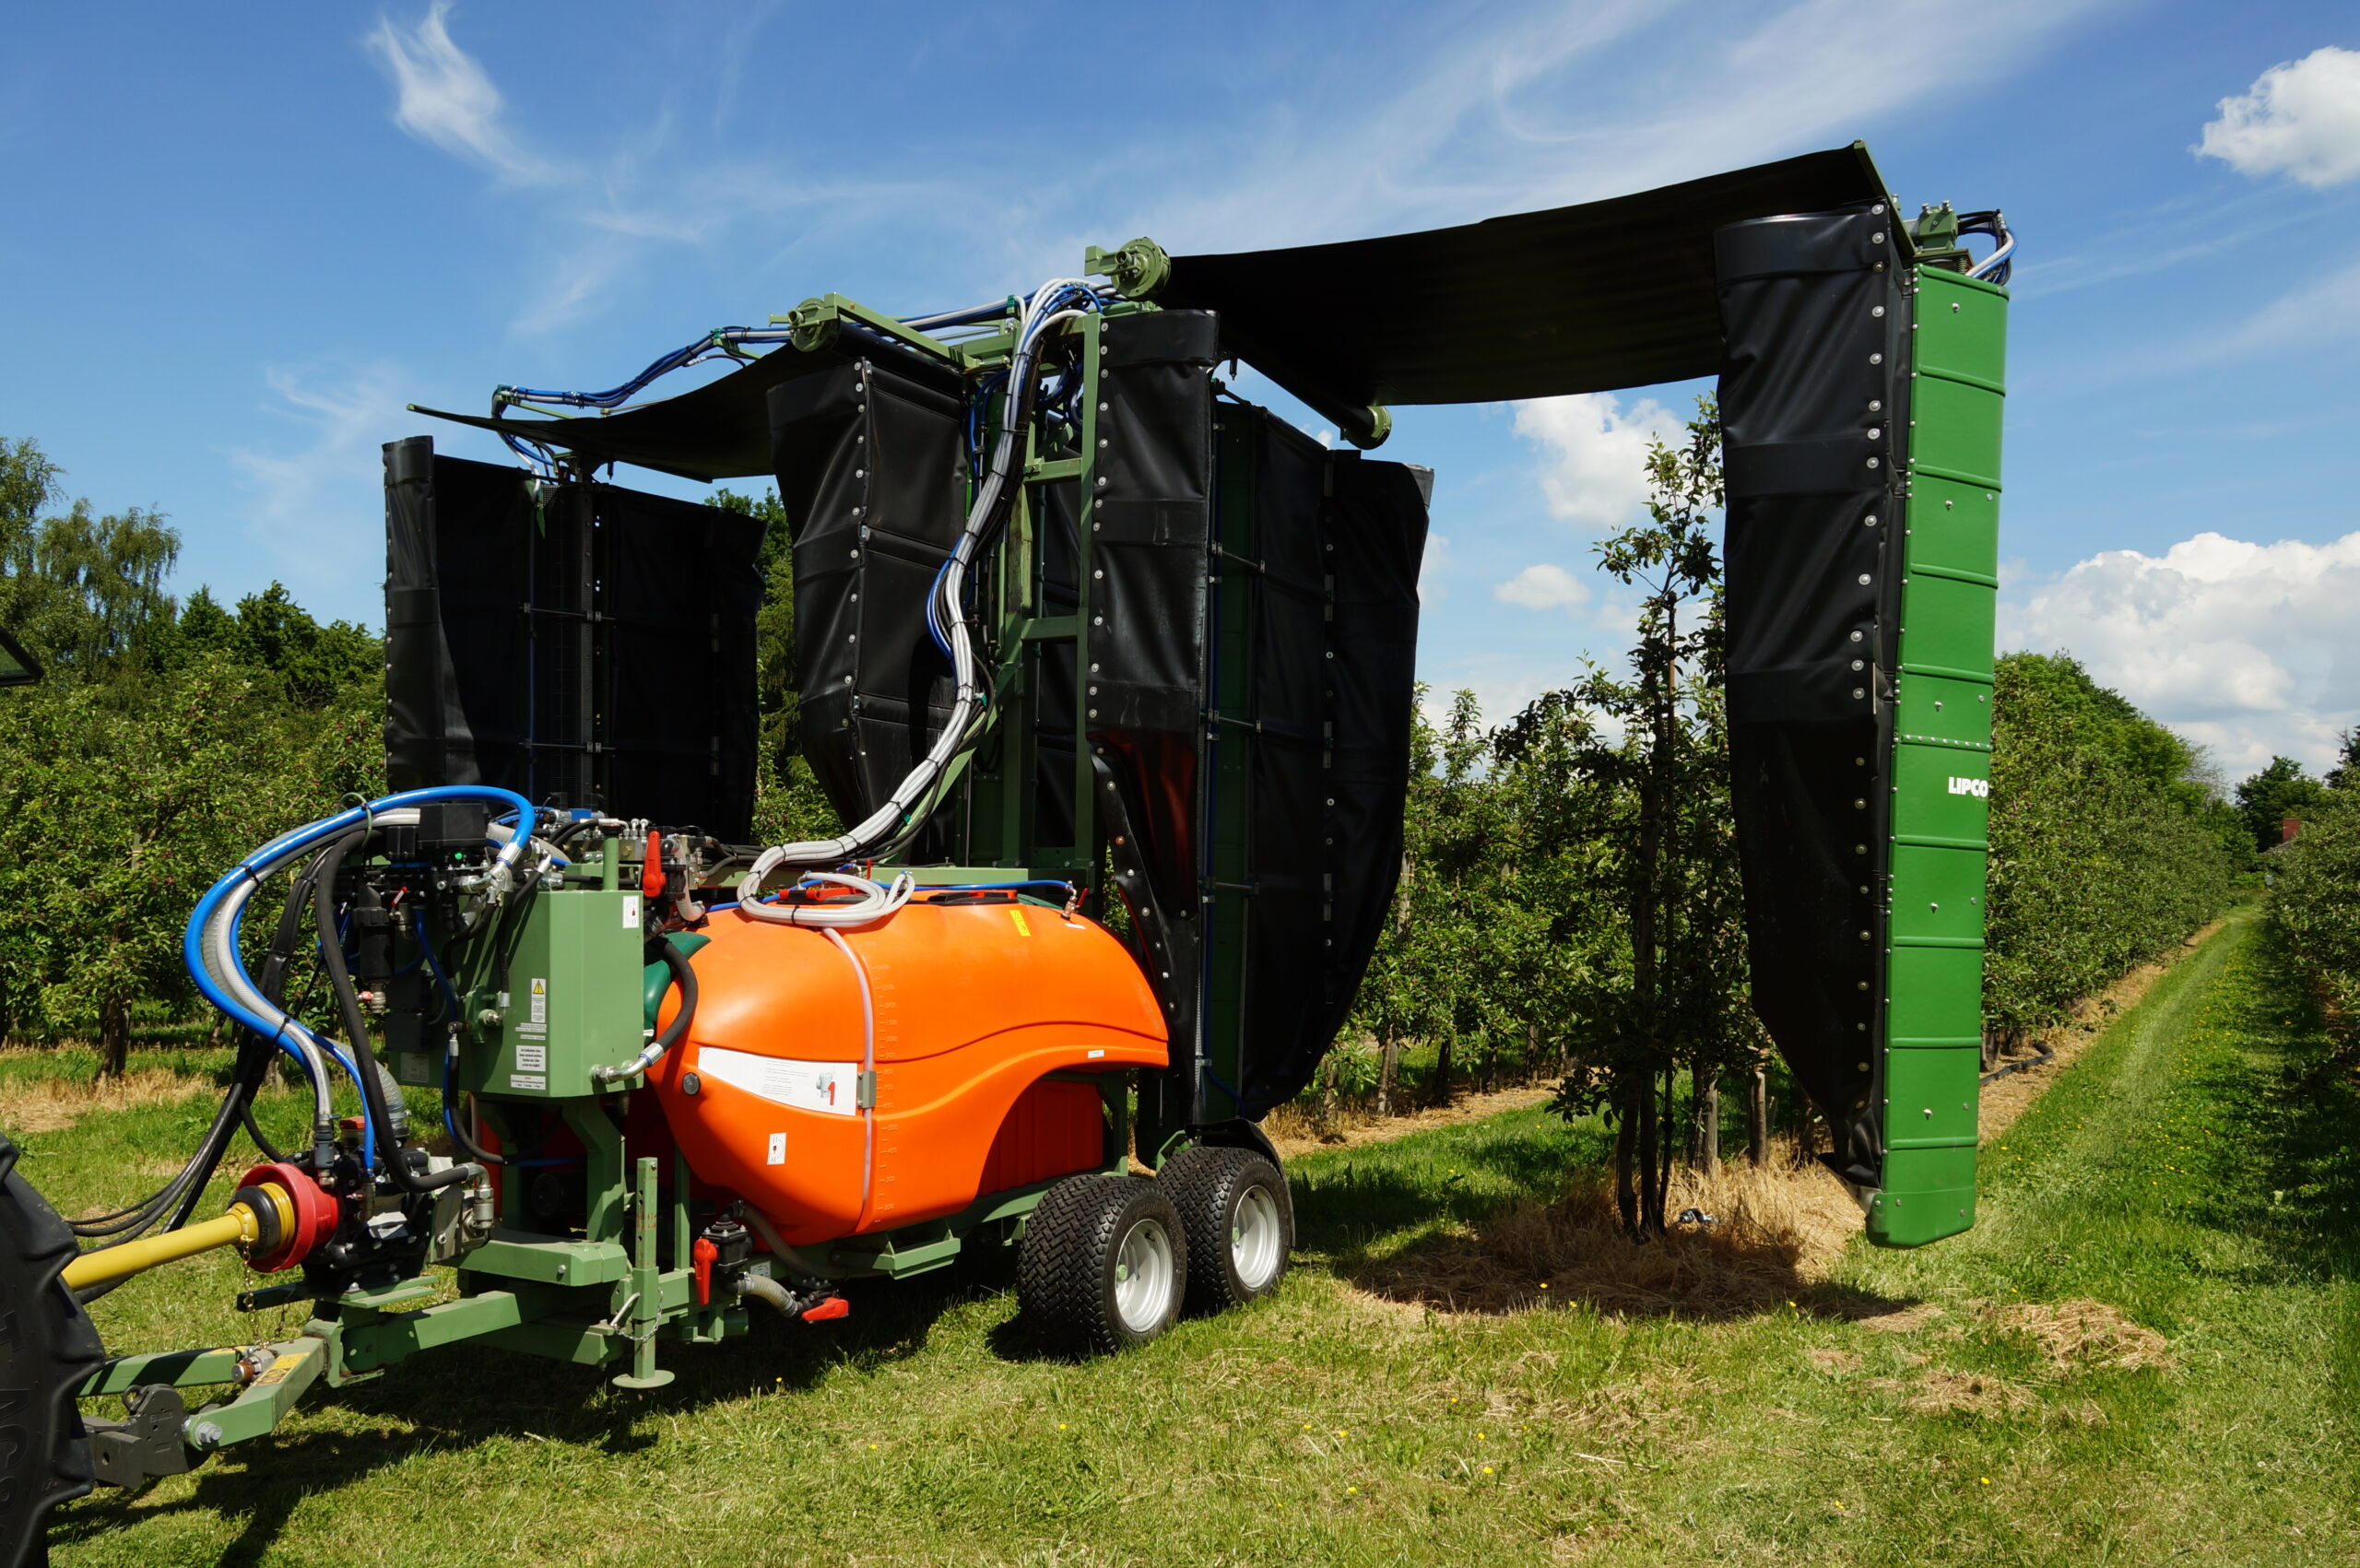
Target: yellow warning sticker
{"x": 279, "y": 1371}
{"x": 1016, "y": 913}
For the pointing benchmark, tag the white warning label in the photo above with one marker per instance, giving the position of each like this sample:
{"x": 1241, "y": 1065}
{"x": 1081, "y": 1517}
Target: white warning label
{"x": 824, "y": 1087}
{"x": 541, "y": 1013}
{"x": 538, "y": 1083}
{"x": 778, "y": 1148}
{"x": 533, "y": 1058}
{"x": 631, "y": 911}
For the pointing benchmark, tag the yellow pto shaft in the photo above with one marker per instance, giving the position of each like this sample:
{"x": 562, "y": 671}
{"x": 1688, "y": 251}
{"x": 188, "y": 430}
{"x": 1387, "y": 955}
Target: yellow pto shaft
{"x": 240, "y": 1228}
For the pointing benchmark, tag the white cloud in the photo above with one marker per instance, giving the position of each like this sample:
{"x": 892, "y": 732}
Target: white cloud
{"x": 2301, "y": 119}
{"x": 2249, "y": 648}
{"x": 1543, "y": 587}
{"x": 1563, "y": 102}
{"x": 315, "y": 510}
{"x": 1597, "y": 471}
{"x": 444, "y": 98}
{"x": 2310, "y": 316}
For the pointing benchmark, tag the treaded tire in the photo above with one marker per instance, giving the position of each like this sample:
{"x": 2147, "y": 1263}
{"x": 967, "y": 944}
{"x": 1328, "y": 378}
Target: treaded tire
{"x": 1066, "y": 1283}
{"x": 1232, "y": 1256}
{"x": 47, "y": 1347}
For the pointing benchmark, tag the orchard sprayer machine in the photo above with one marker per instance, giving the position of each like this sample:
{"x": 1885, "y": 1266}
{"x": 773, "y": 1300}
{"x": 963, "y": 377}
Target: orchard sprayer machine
{"x": 1110, "y": 675}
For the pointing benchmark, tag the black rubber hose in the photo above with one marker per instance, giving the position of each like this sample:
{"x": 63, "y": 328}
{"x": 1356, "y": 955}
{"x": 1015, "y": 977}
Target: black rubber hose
{"x": 254, "y": 1053}
{"x": 373, "y": 1088}
{"x": 188, "y": 1186}
{"x": 684, "y": 975}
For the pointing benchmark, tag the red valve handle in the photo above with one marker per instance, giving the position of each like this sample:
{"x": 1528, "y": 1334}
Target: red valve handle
{"x": 651, "y": 870}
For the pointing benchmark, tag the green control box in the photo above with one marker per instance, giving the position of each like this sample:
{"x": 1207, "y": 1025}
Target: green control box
{"x": 572, "y": 999}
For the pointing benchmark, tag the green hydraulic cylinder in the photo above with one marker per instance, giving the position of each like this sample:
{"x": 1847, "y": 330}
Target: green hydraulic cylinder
{"x": 1941, "y": 773}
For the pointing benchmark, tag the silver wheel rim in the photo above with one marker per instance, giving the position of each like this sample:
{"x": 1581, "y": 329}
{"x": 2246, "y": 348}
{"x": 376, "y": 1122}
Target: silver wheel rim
{"x": 1256, "y": 1239}
{"x": 1143, "y": 1276}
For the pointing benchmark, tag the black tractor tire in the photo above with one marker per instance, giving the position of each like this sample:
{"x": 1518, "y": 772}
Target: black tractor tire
{"x": 47, "y": 1347}
{"x": 1239, "y": 1220}
{"x": 1104, "y": 1265}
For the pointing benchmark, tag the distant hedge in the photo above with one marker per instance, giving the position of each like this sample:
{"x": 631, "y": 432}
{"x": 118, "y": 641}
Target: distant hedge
{"x": 2315, "y": 903}
{"x": 2106, "y": 846}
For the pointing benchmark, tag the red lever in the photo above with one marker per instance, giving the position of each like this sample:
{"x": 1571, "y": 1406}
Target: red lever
{"x": 651, "y": 870}
{"x": 701, "y": 1254}
{"x": 834, "y": 1306}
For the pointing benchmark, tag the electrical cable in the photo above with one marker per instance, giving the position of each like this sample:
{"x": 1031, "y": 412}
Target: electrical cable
{"x": 1997, "y": 267}
{"x": 389, "y": 1130}
{"x": 898, "y": 820}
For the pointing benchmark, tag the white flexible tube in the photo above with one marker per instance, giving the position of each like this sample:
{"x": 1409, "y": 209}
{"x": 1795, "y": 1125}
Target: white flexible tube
{"x": 1051, "y": 305}
{"x": 876, "y": 899}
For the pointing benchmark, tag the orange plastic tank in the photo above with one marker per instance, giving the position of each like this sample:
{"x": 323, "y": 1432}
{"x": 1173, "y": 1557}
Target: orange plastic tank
{"x": 961, "y": 1010}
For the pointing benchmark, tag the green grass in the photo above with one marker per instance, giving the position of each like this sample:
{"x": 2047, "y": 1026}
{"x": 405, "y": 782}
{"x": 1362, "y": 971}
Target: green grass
{"x": 2188, "y": 1170}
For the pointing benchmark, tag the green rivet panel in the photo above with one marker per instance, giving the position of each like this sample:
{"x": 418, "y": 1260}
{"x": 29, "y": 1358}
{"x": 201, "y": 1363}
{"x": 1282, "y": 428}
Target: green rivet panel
{"x": 1942, "y": 767}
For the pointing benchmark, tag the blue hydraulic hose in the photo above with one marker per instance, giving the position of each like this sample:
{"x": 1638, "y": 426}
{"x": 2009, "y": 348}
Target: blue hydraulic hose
{"x": 284, "y": 847}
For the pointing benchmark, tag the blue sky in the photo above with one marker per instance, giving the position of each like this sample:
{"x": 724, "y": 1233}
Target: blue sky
{"x": 242, "y": 240}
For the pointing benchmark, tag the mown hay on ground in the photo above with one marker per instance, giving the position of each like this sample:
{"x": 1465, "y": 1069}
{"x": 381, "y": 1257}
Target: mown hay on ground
{"x": 1773, "y": 1231}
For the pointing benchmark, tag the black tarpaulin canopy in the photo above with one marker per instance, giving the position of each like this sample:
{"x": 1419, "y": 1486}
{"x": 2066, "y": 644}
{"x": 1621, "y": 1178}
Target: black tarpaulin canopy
{"x": 1605, "y": 295}
{"x": 719, "y": 430}
{"x": 1609, "y": 294}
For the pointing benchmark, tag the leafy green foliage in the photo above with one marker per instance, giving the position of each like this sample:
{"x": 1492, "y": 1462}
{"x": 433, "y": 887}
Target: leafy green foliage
{"x": 2105, "y": 846}
{"x": 78, "y": 590}
{"x": 166, "y": 743}
{"x": 2266, "y": 801}
{"x": 2315, "y": 905}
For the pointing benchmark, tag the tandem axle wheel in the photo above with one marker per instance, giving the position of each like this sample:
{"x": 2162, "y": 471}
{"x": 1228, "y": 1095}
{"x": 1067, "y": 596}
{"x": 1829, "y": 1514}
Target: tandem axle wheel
{"x": 1111, "y": 1261}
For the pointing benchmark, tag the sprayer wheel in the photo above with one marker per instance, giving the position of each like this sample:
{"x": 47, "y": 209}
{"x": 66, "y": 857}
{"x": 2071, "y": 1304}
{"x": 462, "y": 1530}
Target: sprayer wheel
{"x": 1105, "y": 1263}
{"x": 47, "y": 1347}
{"x": 1240, "y": 1221}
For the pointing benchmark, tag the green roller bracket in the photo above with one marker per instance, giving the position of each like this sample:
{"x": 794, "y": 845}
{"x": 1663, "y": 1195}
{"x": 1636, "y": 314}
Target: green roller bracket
{"x": 1932, "y": 1062}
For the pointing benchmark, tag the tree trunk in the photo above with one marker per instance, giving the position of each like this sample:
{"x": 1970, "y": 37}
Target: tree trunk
{"x": 1388, "y": 1053}
{"x": 1626, "y": 1134}
{"x": 1490, "y": 1060}
{"x": 1644, "y": 1111}
{"x": 1328, "y": 1092}
{"x": 1806, "y": 1137}
{"x": 1667, "y": 1148}
{"x": 1531, "y": 1052}
{"x": 1441, "y": 1068}
{"x": 1757, "y": 1117}
{"x": 114, "y": 1037}
{"x": 1705, "y": 1150}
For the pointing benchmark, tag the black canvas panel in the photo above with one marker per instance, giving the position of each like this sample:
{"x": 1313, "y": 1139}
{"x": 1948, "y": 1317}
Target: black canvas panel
{"x": 458, "y": 573}
{"x": 1329, "y": 588}
{"x": 566, "y": 642}
{"x": 1605, "y": 295}
{"x": 872, "y": 474}
{"x": 681, "y": 595}
{"x": 1281, "y": 590}
{"x": 1053, "y": 517}
{"x": 1376, "y": 540}
{"x": 1151, "y": 525}
{"x": 1809, "y": 396}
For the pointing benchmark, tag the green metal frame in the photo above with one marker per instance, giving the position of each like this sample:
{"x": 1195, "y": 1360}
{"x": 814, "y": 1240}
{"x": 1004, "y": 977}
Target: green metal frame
{"x": 1931, "y": 1059}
